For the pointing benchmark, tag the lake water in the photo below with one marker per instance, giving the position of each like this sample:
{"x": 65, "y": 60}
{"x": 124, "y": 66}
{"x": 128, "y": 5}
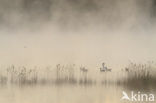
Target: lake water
{"x": 64, "y": 94}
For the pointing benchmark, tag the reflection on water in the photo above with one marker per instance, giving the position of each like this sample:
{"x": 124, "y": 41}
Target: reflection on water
{"x": 68, "y": 84}
{"x": 63, "y": 94}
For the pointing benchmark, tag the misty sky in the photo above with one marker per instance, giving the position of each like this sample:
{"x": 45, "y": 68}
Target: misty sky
{"x": 84, "y": 32}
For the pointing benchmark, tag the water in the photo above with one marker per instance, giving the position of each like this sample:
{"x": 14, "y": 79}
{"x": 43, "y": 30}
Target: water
{"x": 63, "y": 94}
{"x": 69, "y": 85}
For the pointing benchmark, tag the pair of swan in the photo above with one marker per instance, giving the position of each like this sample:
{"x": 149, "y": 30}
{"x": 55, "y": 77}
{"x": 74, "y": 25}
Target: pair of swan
{"x": 104, "y": 68}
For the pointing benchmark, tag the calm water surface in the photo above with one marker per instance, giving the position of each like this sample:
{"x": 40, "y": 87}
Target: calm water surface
{"x": 62, "y": 94}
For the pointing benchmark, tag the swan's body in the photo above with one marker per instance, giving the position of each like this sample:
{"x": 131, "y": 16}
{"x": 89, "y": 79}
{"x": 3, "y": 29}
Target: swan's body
{"x": 104, "y": 68}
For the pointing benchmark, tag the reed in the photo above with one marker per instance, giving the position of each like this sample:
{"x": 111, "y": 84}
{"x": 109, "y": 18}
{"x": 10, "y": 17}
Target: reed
{"x": 134, "y": 75}
{"x": 139, "y": 76}
{"x": 57, "y": 76}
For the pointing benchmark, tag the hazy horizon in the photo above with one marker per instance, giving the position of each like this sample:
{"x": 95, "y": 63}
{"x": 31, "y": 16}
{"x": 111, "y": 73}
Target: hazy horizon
{"x": 83, "y": 32}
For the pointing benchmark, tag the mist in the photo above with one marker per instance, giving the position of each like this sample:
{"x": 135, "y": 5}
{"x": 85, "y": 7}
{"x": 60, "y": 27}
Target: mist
{"x": 82, "y": 32}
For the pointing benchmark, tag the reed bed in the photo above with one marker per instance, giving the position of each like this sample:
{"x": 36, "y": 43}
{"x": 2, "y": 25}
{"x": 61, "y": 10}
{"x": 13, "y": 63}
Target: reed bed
{"x": 139, "y": 76}
{"x": 58, "y": 75}
{"x": 134, "y": 75}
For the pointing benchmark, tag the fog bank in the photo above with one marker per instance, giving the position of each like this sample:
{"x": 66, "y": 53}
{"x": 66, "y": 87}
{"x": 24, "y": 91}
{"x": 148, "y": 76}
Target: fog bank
{"x": 84, "y": 32}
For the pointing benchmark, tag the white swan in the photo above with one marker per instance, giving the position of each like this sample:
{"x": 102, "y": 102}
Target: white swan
{"x": 104, "y": 68}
